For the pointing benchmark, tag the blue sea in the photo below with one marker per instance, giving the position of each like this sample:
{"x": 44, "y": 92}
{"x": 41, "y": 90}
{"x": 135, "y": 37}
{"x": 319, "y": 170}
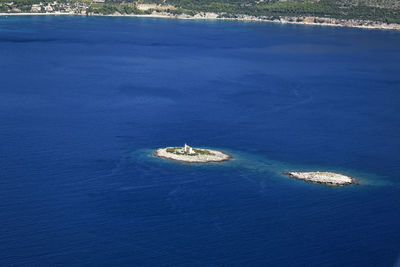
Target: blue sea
{"x": 84, "y": 101}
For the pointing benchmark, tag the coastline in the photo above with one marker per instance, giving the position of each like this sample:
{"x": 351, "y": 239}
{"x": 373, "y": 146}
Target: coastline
{"x": 308, "y": 21}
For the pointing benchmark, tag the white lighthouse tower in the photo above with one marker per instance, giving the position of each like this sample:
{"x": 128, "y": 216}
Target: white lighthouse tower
{"x": 188, "y": 149}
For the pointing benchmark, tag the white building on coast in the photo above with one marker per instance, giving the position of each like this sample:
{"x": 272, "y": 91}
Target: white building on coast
{"x": 188, "y": 149}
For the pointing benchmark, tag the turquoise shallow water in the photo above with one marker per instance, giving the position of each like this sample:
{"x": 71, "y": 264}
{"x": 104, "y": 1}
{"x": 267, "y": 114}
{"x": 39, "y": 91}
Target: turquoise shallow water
{"x": 84, "y": 102}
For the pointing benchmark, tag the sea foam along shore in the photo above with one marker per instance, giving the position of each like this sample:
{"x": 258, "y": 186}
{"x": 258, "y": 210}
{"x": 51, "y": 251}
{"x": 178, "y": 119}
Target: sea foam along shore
{"x": 311, "y": 21}
{"x": 327, "y": 178}
{"x": 210, "y": 156}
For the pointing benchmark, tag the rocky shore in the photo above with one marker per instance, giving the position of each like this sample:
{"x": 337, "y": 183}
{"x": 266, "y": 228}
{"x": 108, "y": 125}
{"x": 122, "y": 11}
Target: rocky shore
{"x": 301, "y": 20}
{"x": 326, "y": 178}
{"x": 201, "y": 155}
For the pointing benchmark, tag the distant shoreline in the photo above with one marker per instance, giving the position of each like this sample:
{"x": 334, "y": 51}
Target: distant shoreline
{"x": 214, "y": 16}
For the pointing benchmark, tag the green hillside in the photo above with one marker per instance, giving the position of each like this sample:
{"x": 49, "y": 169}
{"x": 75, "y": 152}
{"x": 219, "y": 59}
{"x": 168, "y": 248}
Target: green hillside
{"x": 384, "y": 10}
{"x": 387, "y": 11}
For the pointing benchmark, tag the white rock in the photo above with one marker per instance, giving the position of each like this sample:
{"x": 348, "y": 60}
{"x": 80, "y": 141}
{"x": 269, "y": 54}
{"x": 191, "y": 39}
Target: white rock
{"x": 328, "y": 178}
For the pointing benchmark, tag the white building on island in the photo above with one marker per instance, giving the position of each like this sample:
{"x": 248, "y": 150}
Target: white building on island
{"x": 188, "y": 149}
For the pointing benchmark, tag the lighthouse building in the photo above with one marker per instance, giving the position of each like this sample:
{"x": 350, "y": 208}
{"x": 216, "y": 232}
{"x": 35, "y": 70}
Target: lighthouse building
{"x": 188, "y": 149}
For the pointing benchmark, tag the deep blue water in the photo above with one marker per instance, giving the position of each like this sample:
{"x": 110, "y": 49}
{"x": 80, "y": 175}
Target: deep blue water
{"x": 84, "y": 101}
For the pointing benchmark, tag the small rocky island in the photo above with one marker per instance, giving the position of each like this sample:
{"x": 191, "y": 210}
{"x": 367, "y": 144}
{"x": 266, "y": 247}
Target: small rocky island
{"x": 191, "y": 155}
{"x": 326, "y": 178}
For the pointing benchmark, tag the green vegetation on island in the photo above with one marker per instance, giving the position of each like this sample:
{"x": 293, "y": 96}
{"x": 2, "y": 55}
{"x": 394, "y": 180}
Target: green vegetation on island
{"x": 180, "y": 151}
